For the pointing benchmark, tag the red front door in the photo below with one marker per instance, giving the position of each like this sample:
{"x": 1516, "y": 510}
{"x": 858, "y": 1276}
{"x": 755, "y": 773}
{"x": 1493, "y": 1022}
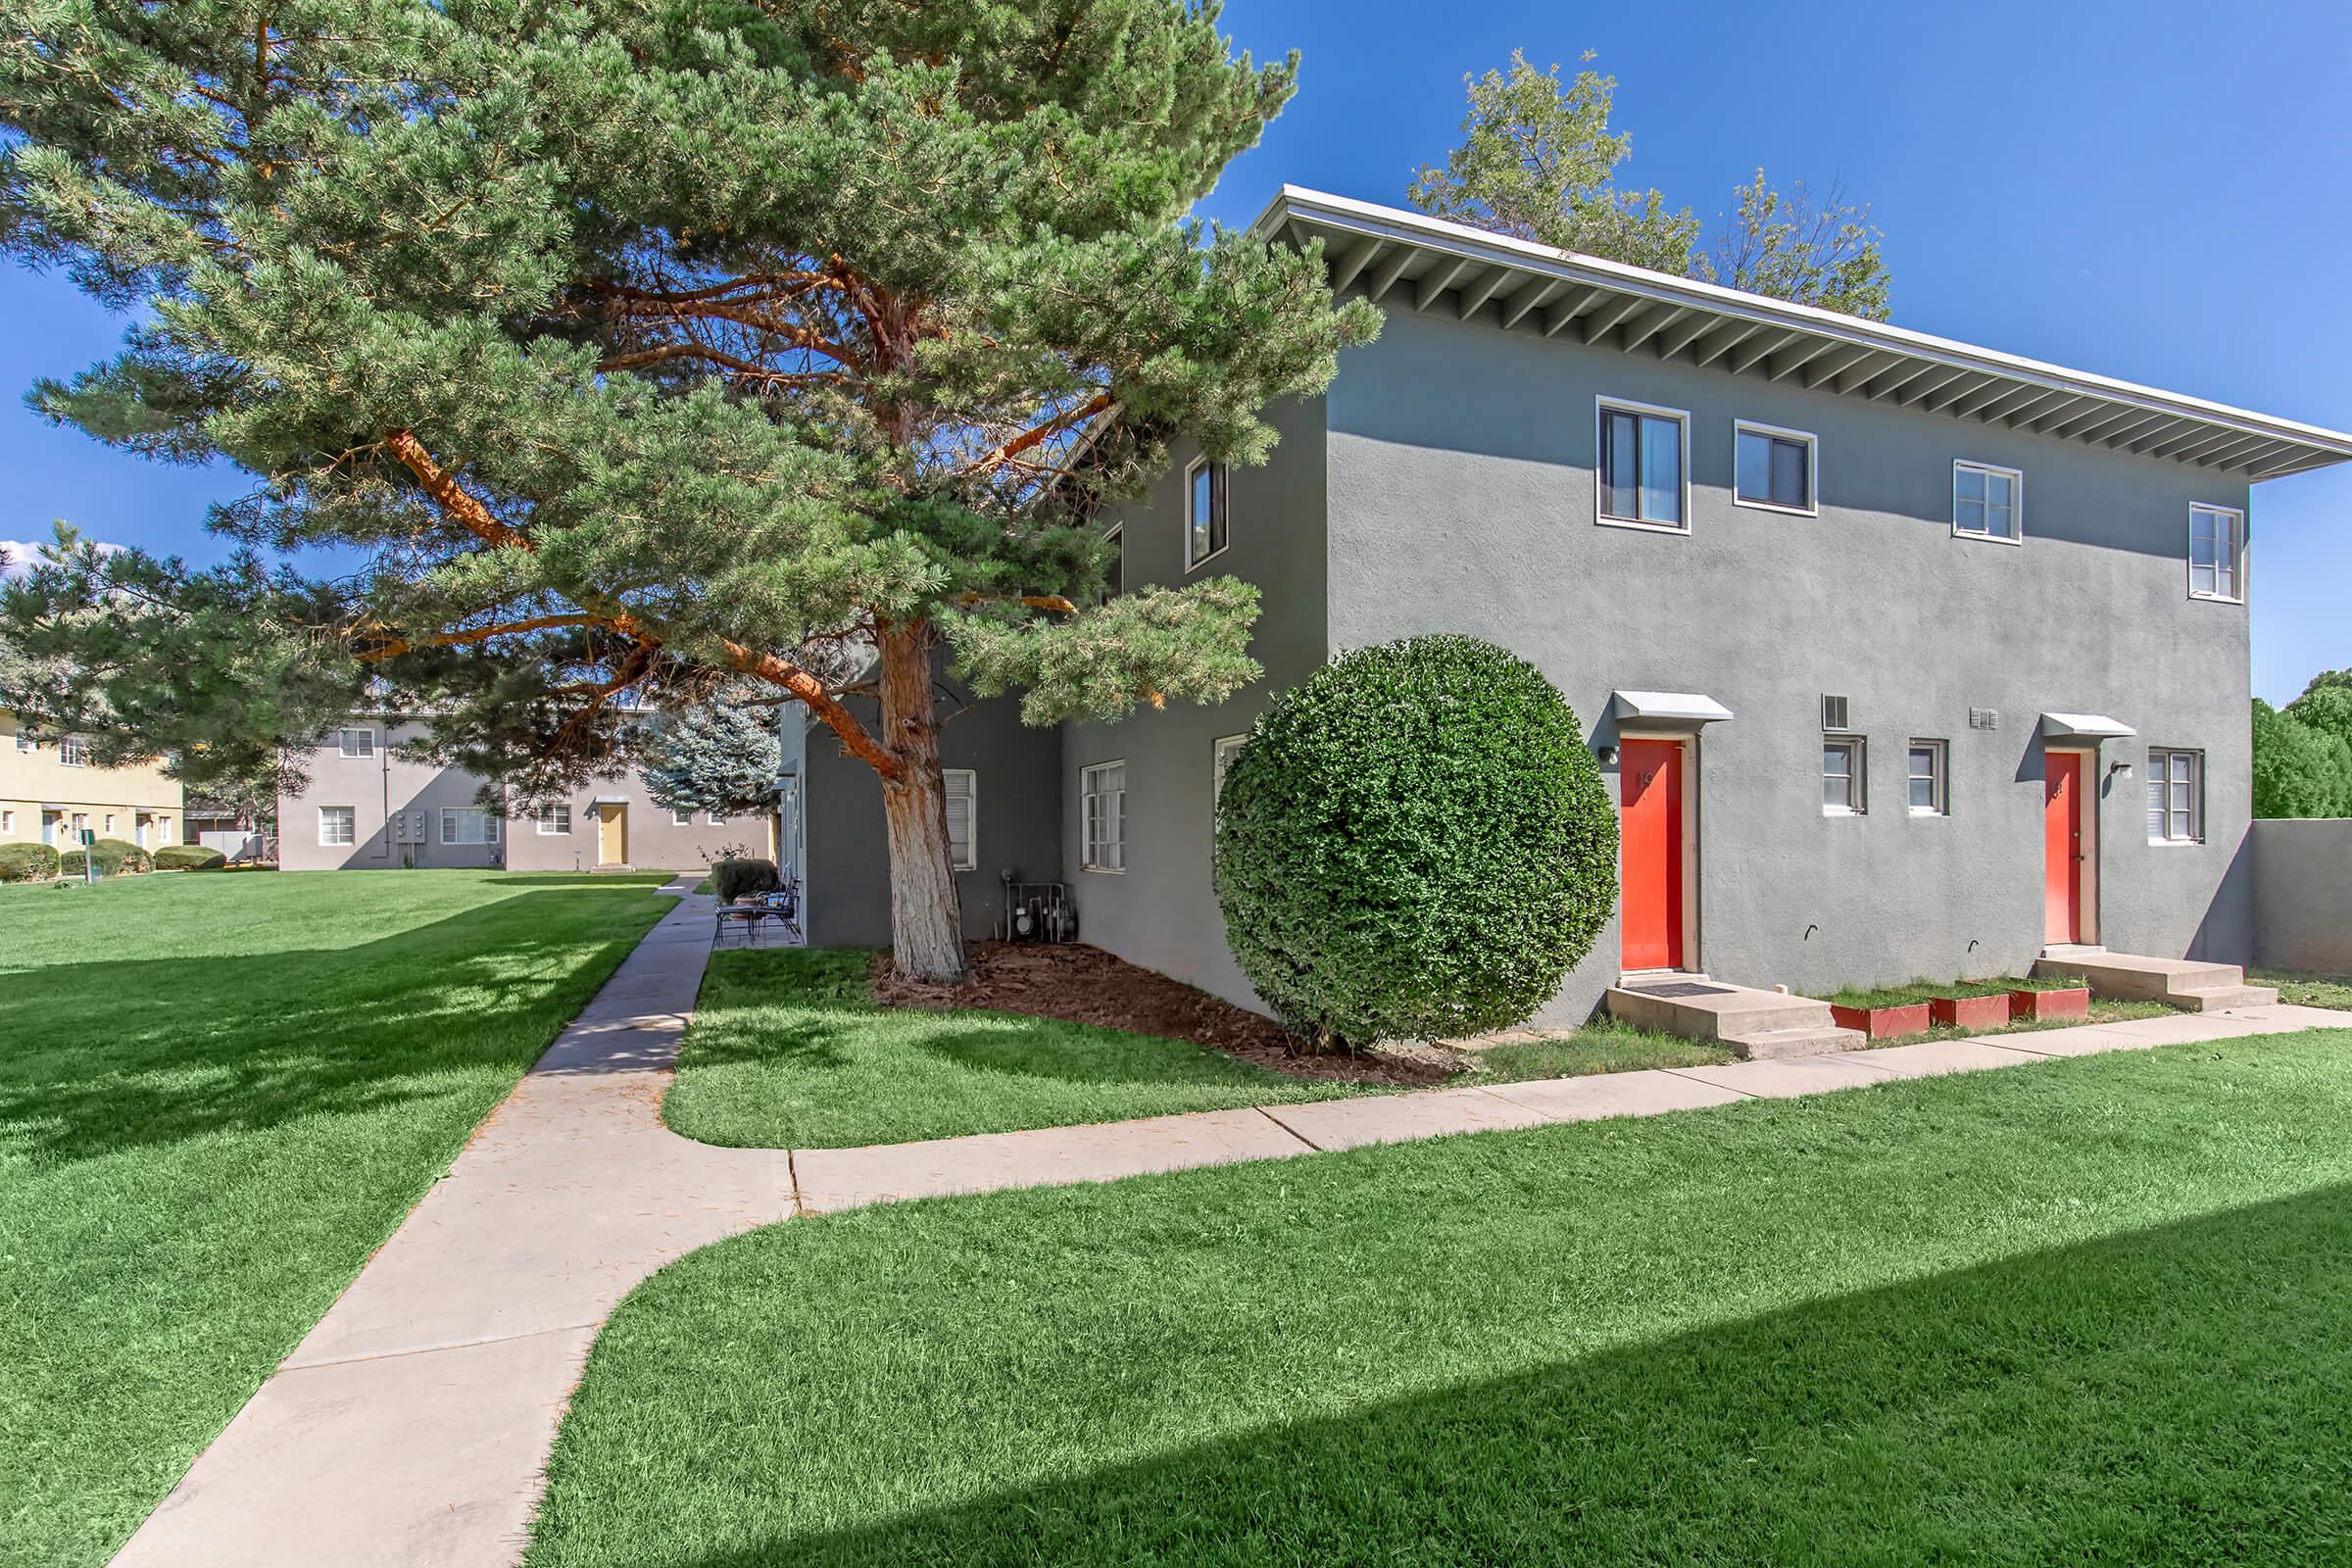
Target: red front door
{"x": 1649, "y": 852}
{"x": 2062, "y": 846}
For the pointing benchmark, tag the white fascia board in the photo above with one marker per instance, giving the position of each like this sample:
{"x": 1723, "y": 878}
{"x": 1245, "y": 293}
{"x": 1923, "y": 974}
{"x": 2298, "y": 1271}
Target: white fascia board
{"x": 1668, "y": 708}
{"x": 2084, "y": 727}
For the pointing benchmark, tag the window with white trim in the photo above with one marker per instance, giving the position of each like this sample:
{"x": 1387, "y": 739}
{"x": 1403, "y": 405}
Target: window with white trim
{"x": 8, "y": 821}
{"x": 355, "y": 741}
{"x": 1644, "y": 463}
{"x": 1841, "y": 775}
{"x": 1988, "y": 501}
{"x": 1924, "y": 784}
{"x": 110, "y": 824}
{"x": 1207, "y": 506}
{"x": 467, "y": 824}
{"x": 73, "y": 751}
{"x": 1773, "y": 468}
{"x": 718, "y": 819}
{"x": 2217, "y": 552}
{"x": 1103, "y": 790}
{"x": 1228, "y": 748}
{"x": 963, "y": 806}
{"x": 1115, "y": 574}
{"x": 554, "y": 821}
{"x": 681, "y": 819}
{"x": 25, "y": 741}
{"x": 335, "y": 824}
{"x": 2176, "y": 797}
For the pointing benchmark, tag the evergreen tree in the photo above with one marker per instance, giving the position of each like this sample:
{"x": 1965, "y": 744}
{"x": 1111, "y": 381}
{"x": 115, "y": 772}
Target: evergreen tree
{"x": 721, "y": 756}
{"x": 638, "y": 346}
{"x": 2299, "y": 768}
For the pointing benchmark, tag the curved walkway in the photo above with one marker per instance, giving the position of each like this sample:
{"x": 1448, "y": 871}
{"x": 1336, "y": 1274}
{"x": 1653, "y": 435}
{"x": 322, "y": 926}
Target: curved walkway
{"x": 412, "y": 1425}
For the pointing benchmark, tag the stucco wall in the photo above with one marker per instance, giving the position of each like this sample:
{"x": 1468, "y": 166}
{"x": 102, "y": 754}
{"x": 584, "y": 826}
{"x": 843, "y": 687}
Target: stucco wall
{"x": 2303, "y": 895}
{"x": 1162, "y": 913}
{"x": 1017, "y": 820}
{"x": 1462, "y": 499}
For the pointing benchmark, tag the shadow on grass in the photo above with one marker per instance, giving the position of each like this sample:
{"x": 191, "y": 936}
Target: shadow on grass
{"x": 2177, "y": 1395}
{"x": 118, "y": 1054}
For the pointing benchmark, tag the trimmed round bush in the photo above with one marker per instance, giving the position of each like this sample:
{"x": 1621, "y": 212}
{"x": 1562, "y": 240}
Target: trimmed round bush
{"x": 188, "y": 857}
{"x": 114, "y": 856}
{"x": 28, "y": 862}
{"x": 741, "y": 876}
{"x": 1414, "y": 844}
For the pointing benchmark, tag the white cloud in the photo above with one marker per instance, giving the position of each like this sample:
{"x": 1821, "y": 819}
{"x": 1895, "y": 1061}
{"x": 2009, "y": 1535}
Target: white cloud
{"x": 21, "y": 554}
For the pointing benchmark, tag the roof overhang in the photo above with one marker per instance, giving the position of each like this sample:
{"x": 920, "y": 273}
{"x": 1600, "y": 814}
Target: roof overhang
{"x": 1666, "y": 709}
{"x": 609, "y": 799}
{"x": 1388, "y": 255}
{"x": 2084, "y": 727}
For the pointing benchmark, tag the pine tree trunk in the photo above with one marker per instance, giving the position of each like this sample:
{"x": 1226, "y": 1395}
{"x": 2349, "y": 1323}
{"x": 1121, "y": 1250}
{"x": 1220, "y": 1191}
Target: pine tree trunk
{"x": 926, "y": 917}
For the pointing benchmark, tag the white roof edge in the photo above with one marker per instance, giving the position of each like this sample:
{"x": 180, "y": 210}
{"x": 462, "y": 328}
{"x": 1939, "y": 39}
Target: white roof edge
{"x": 1411, "y": 227}
{"x": 2087, "y": 725}
{"x": 1689, "y": 707}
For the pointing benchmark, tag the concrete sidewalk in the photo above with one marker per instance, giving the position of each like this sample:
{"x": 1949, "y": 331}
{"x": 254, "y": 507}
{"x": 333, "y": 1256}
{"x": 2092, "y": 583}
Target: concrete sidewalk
{"x": 412, "y": 1425}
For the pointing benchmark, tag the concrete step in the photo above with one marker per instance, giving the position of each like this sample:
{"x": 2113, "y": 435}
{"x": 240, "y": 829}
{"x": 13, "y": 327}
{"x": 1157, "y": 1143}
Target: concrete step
{"x": 1750, "y": 1023}
{"x": 1769, "y": 1044}
{"x": 2214, "y": 999}
{"x": 2131, "y": 977}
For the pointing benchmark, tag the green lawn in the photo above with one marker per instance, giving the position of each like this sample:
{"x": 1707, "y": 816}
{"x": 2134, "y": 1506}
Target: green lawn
{"x": 787, "y": 1049}
{"x": 2093, "y": 1310}
{"x": 1605, "y": 1045}
{"x": 2306, "y": 990}
{"x": 218, "y": 1096}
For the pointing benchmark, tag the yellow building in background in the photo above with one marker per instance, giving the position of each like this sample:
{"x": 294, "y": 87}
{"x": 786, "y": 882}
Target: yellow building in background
{"x": 50, "y": 791}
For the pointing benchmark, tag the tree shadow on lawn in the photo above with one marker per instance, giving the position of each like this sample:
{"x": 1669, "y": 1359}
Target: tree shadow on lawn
{"x": 114, "y": 1055}
{"x": 2182, "y": 1394}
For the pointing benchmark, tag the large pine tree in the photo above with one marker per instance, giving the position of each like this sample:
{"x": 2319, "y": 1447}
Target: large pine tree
{"x": 638, "y": 347}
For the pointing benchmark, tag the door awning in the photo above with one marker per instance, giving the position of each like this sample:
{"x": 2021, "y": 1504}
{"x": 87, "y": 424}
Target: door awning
{"x": 1676, "y": 710}
{"x": 610, "y": 799}
{"x": 2084, "y": 727}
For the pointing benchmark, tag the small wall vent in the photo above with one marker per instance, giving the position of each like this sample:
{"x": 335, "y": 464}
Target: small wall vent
{"x": 1834, "y": 715}
{"x": 1984, "y": 718}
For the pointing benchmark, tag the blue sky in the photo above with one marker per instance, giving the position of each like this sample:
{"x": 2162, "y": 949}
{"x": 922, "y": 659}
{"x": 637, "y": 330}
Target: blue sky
{"x": 2157, "y": 191}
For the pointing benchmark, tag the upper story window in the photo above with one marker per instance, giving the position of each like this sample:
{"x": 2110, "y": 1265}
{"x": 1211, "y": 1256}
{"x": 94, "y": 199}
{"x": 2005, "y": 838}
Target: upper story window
{"x": 73, "y": 751}
{"x": 1104, "y": 845}
{"x": 25, "y": 741}
{"x": 1207, "y": 502}
{"x": 963, "y": 810}
{"x": 1924, "y": 778}
{"x": 1773, "y": 468}
{"x": 1644, "y": 467}
{"x": 681, "y": 819}
{"x": 1987, "y": 502}
{"x": 1115, "y": 575}
{"x": 2176, "y": 797}
{"x": 356, "y": 742}
{"x": 2217, "y": 554}
{"x": 1841, "y": 775}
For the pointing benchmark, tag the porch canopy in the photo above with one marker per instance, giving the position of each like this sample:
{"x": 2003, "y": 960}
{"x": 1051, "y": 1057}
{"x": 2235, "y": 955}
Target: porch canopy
{"x": 2084, "y": 727}
{"x": 1666, "y": 709}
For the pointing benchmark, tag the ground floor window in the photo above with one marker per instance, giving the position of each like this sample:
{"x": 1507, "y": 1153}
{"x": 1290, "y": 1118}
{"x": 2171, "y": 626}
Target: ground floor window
{"x": 1106, "y": 798}
{"x": 963, "y": 806}
{"x": 1841, "y": 775}
{"x": 554, "y": 821}
{"x": 1925, "y": 778}
{"x": 335, "y": 824}
{"x": 467, "y": 824}
{"x": 2176, "y": 797}
{"x": 1228, "y": 748}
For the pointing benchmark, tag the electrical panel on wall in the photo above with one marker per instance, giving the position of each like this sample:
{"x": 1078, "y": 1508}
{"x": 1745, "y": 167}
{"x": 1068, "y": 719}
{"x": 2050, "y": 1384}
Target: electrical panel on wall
{"x": 408, "y": 827}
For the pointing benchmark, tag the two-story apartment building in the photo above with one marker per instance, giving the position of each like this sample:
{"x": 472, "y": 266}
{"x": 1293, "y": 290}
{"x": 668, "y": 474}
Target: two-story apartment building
{"x": 51, "y": 793}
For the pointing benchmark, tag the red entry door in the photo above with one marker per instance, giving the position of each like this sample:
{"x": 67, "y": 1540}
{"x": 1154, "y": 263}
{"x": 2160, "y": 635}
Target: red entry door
{"x": 2062, "y": 846}
{"x": 1650, "y": 839}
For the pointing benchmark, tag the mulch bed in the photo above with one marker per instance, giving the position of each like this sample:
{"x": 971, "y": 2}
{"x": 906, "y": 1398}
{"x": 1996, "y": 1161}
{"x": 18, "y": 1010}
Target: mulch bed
{"x": 1081, "y": 984}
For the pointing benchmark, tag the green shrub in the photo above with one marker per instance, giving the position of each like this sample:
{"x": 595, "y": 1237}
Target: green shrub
{"x": 1414, "y": 844}
{"x": 739, "y": 876}
{"x": 114, "y": 856}
{"x": 27, "y": 863}
{"x": 188, "y": 857}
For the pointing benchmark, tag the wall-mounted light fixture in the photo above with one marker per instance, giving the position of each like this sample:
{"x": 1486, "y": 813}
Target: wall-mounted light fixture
{"x": 2119, "y": 768}
{"x": 1607, "y": 754}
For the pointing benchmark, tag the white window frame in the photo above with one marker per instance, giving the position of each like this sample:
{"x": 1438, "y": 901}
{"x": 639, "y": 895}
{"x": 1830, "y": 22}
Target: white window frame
{"x": 1939, "y": 775}
{"x": 1090, "y": 843}
{"x": 970, "y": 858}
{"x": 1604, "y": 406}
{"x": 2017, "y": 502}
{"x": 367, "y": 747}
{"x": 449, "y": 821}
{"x": 1773, "y": 432}
{"x": 1221, "y": 754}
{"x": 2160, "y": 760}
{"x": 681, "y": 819}
{"x": 8, "y": 821}
{"x": 110, "y": 824}
{"x": 25, "y": 740}
{"x": 1857, "y": 776}
{"x": 2237, "y": 516}
{"x": 716, "y": 819}
{"x": 1117, "y": 537}
{"x": 550, "y": 815}
{"x": 1220, "y": 487}
{"x": 73, "y": 751}
{"x": 349, "y": 819}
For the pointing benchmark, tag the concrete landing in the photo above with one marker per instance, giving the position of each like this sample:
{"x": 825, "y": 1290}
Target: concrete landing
{"x": 1756, "y": 1025}
{"x": 2189, "y": 984}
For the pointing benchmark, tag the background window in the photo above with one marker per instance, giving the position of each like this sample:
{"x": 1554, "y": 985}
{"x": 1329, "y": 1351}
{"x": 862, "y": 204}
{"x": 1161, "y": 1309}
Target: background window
{"x": 554, "y": 821}
{"x": 1642, "y": 467}
{"x": 1228, "y": 748}
{"x": 1105, "y": 836}
{"x": 2176, "y": 797}
{"x": 358, "y": 742}
{"x": 1924, "y": 778}
{"x": 334, "y": 824}
{"x": 1115, "y": 574}
{"x": 73, "y": 751}
{"x": 467, "y": 824}
{"x": 963, "y": 801}
{"x": 681, "y": 819}
{"x": 1204, "y": 510}
{"x": 1773, "y": 469}
{"x": 718, "y": 819}
{"x": 2216, "y": 550}
{"x": 1984, "y": 500}
{"x": 1841, "y": 775}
